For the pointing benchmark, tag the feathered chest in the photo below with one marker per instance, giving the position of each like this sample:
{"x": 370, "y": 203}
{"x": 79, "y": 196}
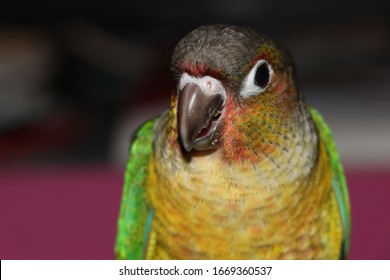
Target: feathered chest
{"x": 205, "y": 208}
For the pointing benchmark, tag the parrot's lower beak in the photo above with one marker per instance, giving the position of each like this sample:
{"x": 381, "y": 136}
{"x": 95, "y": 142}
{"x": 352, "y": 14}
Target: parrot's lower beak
{"x": 200, "y": 117}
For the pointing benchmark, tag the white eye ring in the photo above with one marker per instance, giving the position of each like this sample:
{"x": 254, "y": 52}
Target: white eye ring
{"x": 249, "y": 85}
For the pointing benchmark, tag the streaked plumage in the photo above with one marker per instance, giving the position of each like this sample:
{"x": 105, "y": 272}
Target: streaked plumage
{"x": 248, "y": 172}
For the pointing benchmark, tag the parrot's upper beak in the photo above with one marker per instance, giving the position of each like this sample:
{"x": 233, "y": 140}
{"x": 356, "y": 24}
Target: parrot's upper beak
{"x": 200, "y": 117}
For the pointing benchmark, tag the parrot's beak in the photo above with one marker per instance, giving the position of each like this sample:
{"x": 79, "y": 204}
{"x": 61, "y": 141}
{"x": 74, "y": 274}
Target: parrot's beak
{"x": 200, "y": 117}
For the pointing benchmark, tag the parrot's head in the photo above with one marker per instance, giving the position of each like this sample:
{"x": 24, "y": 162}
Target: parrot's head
{"x": 235, "y": 91}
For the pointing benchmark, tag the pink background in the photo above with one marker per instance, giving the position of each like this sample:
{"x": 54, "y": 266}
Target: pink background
{"x": 70, "y": 212}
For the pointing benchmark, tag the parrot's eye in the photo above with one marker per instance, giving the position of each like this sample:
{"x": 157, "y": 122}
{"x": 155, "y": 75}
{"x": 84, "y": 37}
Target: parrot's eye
{"x": 262, "y": 75}
{"x": 257, "y": 80}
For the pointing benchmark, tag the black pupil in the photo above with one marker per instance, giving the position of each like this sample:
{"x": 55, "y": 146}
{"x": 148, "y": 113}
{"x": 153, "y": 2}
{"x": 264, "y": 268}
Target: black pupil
{"x": 262, "y": 75}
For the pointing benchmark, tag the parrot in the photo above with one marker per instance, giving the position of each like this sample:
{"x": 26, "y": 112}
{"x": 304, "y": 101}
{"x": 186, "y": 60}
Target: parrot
{"x": 239, "y": 166}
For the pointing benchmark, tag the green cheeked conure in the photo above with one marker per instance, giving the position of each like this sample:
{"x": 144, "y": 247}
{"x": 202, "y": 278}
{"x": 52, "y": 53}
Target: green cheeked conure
{"x": 239, "y": 167}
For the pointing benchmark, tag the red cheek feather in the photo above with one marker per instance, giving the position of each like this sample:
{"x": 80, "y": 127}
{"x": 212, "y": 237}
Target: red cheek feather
{"x": 238, "y": 145}
{"x": 235, "y": 148}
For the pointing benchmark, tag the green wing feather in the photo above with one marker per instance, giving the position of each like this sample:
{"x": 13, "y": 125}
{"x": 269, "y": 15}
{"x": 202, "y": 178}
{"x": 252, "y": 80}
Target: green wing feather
{"x": 135, "y": 217}
{"x": 339, "y": 181}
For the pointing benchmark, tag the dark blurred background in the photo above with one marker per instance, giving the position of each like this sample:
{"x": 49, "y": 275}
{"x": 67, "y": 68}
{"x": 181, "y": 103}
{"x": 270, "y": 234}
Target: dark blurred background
{"x": 76, "y": 79}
